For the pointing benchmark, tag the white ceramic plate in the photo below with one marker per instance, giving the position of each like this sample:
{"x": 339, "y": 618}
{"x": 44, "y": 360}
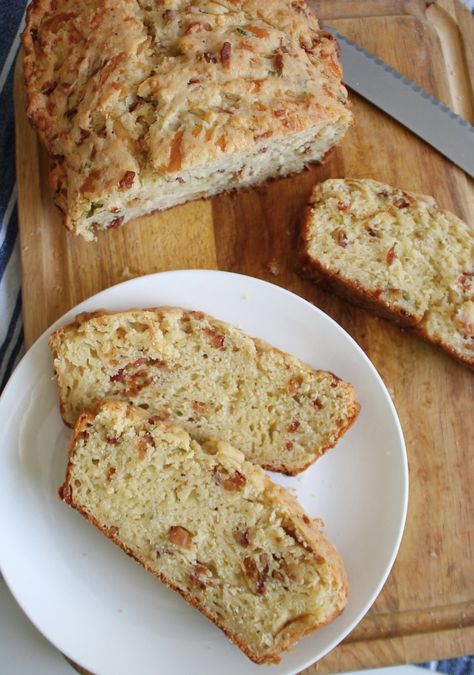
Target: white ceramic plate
{"x": 102, "y": 609}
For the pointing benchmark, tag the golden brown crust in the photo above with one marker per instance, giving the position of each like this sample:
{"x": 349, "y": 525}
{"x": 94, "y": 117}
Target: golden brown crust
{"x": 161, "y": 88}
{"x": 304, "y": 529}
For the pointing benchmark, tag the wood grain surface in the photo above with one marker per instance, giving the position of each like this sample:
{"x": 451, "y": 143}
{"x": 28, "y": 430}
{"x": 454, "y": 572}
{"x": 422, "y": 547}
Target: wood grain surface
{"x": 426, "y": 609}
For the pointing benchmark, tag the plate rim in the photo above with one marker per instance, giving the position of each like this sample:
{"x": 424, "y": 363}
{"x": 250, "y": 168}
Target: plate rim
{"x": 66, "y": 317}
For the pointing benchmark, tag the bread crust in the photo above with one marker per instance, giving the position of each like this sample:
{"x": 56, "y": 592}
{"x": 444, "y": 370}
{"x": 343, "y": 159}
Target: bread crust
{"x": 312, "y": 536}
{"x": 197, "y": 89}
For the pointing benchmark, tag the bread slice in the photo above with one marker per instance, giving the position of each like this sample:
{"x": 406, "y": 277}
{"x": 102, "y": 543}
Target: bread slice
{"x": 144, "y": 105}
{"x": 397, "y": 253}
{"x": 207, "y": 376}
{"x": 208, "y": 524}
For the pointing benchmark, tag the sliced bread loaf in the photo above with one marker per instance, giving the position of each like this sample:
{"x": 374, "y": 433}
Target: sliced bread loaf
{"x": 209, "y": 377}
{"x": 208, "y": 524}
{"x": 397, "y": 253}
{"x": 144, "y": 105}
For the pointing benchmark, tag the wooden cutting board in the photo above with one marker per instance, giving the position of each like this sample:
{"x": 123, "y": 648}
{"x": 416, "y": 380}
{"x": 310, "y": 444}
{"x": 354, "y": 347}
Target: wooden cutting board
{"x": 426, "y": 609}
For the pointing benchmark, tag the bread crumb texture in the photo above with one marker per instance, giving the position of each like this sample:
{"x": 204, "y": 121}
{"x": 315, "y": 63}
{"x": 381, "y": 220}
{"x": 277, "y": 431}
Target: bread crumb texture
{"x": 207, "y": 376}
{"x": 209, "y": 524}
{"x": 397, "y": 252}
{"x": 147, "y": 104}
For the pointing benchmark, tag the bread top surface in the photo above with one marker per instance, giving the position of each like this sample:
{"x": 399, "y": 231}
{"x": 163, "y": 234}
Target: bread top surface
{"x": 208, "y": 523}
{"x": 400, "y": 249}
{"x": 209, "y": 377}
{"x": 120, "y": 89}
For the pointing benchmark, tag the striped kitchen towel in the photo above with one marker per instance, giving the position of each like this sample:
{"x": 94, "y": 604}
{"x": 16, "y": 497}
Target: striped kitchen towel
{"x": 11, "y": 329}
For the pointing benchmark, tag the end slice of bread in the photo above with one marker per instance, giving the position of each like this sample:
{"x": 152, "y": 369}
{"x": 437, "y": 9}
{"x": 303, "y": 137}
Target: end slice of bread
{"x": 164, "y": 102}
{"x": 207, "y": 376}
{"x": 397, "y": 253}
{"x": 208, "y": 524}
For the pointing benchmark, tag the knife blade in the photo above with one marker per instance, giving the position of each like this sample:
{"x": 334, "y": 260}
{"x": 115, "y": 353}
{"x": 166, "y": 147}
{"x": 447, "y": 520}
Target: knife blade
{"x": 410, "y": 105}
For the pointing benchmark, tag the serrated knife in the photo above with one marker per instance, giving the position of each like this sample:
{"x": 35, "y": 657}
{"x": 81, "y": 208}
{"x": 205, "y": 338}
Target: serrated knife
{"x": 410, "y": 105}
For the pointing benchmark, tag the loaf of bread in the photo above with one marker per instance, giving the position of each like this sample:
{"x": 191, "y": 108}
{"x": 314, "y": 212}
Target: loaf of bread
{"x": 397, "y": 253}
{"x": 208, "y": 377}
{"x": 144, "y": 105}
{"x": 208, "y": 524}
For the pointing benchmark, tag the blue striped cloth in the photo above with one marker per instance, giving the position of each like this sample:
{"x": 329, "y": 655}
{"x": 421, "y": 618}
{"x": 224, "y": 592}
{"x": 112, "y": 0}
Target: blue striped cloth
{"x": 11, "y": 326}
